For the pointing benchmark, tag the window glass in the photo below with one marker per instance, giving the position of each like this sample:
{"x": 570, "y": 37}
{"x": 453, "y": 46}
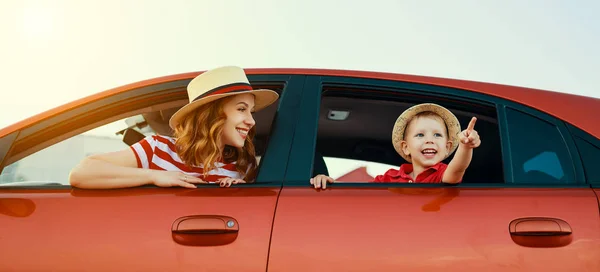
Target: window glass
{"x": 539, "y": 153}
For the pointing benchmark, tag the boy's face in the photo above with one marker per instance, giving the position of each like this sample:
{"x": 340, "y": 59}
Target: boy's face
{"x": 425, "y": 140}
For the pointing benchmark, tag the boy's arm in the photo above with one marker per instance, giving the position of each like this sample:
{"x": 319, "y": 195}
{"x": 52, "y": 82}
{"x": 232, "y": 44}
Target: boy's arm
{"x": 468, "y": 139}
{"x": 458, "y": 165}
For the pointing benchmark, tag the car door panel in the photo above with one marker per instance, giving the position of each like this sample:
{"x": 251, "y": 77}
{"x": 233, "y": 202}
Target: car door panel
{"x": 425, "y": 229}
{"x": 597, "y": 192}
{"x": 96, "y": 230}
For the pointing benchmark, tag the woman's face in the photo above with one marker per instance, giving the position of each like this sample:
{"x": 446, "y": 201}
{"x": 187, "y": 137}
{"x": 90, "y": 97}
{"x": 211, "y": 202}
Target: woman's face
{"x": 238, "y": 110}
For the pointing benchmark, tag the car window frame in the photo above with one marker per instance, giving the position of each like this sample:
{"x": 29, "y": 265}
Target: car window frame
{"x": 578, "y": 132}
{"x": 303, "y": 149}
{"x": 275, "y": 157}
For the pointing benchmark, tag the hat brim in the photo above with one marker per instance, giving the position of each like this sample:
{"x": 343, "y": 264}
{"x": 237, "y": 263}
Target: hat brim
{"x": 262, "y": 99}
{"x": 449, "y": 118}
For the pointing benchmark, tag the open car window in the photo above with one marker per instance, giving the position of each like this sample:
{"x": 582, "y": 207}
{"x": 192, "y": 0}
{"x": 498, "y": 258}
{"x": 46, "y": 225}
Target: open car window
{"x": 51, "y": 163}
{"x": 356, "y": 125}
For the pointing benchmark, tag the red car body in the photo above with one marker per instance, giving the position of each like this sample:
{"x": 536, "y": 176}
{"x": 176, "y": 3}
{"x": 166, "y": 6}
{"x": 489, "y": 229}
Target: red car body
{"x": 281, "y": 223}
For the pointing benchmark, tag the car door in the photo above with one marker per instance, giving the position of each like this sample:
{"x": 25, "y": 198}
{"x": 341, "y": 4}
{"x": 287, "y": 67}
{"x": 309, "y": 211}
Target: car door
{"x": 47, "y": 225}
{"x": 524, "y": 204}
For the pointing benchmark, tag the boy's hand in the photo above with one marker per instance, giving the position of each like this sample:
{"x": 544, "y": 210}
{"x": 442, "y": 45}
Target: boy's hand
{"x": 469, "y": 137}
{"x": 320, "y": 181}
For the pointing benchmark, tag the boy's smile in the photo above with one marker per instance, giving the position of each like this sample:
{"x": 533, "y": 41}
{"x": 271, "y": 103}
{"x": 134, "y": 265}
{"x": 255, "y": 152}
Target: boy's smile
{"x": 429, "y": 152}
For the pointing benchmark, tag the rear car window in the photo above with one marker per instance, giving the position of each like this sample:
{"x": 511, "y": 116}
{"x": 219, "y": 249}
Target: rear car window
{"x": 538, "y": 150}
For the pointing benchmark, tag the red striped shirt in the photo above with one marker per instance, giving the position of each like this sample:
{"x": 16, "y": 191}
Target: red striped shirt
{"x": 158, "y": 152}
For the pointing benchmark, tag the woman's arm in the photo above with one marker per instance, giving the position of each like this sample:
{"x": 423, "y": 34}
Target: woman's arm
{"x": 119, "y": 170}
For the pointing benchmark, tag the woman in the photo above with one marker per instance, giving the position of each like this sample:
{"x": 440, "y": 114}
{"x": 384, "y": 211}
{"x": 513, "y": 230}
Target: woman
{"x": 212, "y": 140}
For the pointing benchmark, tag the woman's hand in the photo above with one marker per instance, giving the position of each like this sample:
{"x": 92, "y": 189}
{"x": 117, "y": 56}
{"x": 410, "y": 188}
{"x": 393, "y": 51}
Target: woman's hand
{"x": 226, "y": 182}
{"x": 175, "y": 178}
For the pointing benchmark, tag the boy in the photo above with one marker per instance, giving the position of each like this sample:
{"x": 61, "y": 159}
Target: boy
{"x": 424, "y": 135}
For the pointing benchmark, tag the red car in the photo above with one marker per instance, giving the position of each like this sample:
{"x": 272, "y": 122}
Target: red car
{"x": 528, "y": 201}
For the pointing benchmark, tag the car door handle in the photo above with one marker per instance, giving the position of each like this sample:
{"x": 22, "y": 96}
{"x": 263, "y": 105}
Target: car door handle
{"x": 205, "y": 230}
{"x": 539, "y": 226}
{"x": 540, "y": 232}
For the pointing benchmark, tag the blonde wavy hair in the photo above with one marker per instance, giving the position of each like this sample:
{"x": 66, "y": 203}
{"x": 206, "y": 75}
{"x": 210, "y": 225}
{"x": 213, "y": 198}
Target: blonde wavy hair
{"x": 198, "y": 137}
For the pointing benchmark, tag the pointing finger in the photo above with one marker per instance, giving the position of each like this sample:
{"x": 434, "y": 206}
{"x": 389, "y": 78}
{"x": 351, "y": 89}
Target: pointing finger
{"x": 471, "y": 125}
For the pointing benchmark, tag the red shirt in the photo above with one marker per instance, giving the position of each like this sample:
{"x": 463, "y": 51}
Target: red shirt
{"x": 432, "y": 174}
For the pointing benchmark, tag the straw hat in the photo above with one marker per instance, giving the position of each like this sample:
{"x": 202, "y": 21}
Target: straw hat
{"x": 218, "y": 83}
{"x": 449, "y": 118}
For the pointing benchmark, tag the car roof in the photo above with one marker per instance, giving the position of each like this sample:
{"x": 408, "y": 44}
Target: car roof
{"x": 574, "y": 109}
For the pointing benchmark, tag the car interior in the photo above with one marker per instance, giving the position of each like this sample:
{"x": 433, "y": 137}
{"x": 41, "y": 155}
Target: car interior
{"x": 358, "y": 125}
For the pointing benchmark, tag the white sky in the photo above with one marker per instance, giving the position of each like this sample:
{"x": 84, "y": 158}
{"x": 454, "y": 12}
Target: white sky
{"x": 57, "y": 51}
